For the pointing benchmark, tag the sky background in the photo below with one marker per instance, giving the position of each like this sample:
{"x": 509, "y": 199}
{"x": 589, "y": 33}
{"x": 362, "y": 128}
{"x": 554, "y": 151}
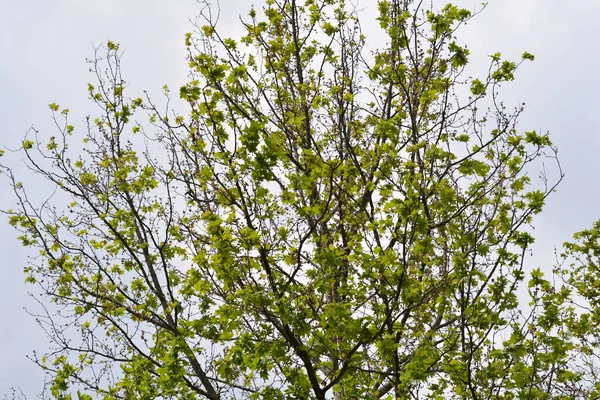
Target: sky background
{"x": 44, "y": 45}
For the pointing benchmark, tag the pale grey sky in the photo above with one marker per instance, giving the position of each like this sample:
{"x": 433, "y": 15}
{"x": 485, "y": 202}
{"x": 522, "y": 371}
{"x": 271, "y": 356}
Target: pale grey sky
{"x": 44, "y": 44}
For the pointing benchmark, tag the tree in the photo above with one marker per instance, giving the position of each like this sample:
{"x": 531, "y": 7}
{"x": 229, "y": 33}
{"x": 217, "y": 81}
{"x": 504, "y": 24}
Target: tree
{"x": 324, "y": 221}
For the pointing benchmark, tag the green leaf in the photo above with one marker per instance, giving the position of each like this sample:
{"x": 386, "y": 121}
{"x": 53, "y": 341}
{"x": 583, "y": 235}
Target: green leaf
{"x": 477, "y": 87}
{"x": 528, "y": 56}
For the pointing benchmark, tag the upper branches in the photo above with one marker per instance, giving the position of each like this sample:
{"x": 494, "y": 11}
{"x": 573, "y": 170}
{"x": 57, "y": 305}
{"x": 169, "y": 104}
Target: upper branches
{"x": 321, "y": 222}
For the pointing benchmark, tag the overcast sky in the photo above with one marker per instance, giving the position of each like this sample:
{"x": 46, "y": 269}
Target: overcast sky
{"x": 44, "y": 44}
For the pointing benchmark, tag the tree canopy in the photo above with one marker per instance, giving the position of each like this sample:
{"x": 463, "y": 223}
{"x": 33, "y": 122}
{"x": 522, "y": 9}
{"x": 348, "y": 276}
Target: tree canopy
{"x": 328, "y": 218}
